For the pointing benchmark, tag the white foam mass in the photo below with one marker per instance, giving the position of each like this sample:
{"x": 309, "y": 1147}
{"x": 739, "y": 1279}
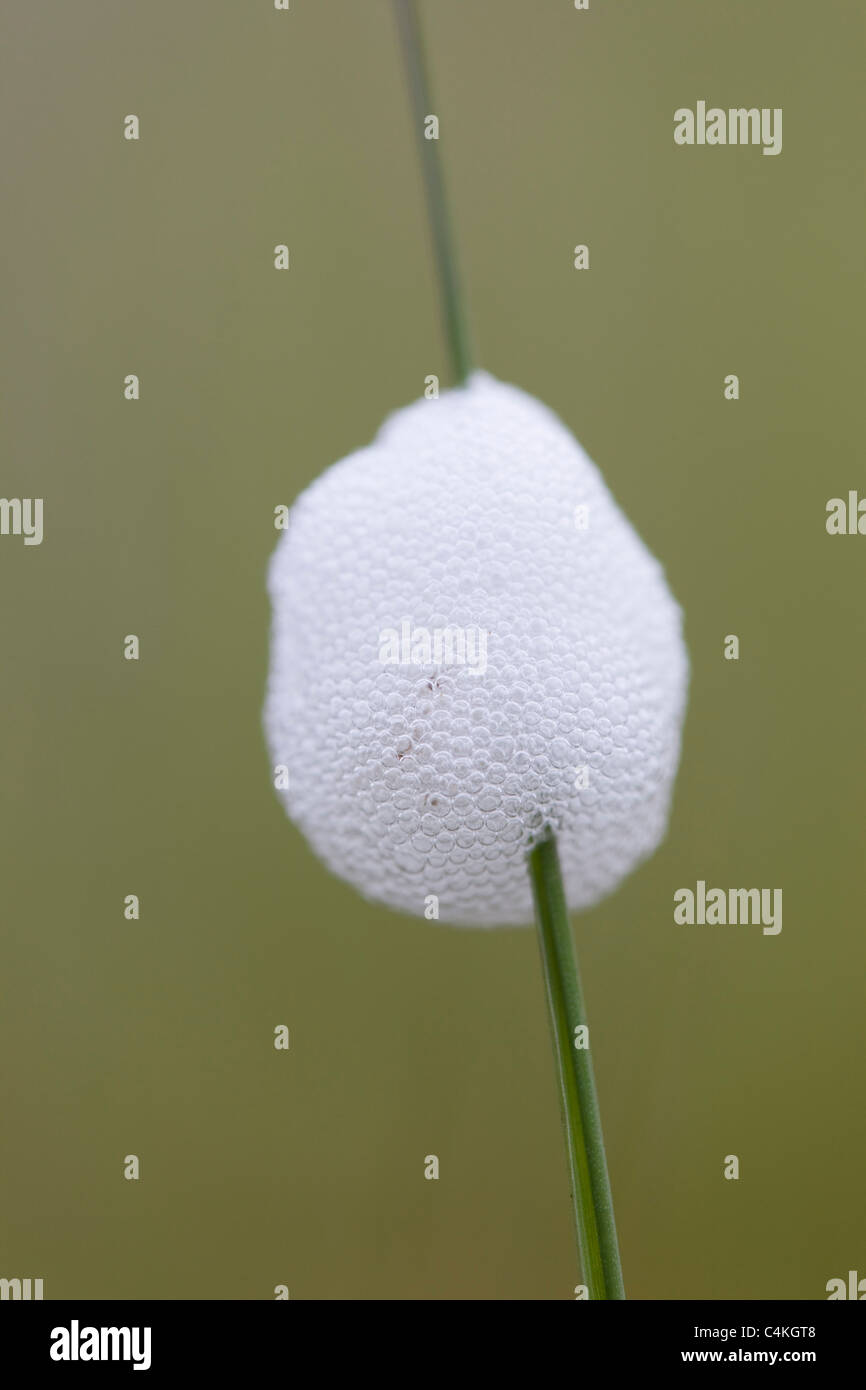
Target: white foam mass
{"x": 414, "y": 773}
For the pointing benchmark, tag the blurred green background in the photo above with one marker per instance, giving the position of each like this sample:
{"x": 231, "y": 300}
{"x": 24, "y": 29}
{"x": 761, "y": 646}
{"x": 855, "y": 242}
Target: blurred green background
{"x": 407, "y": 1038}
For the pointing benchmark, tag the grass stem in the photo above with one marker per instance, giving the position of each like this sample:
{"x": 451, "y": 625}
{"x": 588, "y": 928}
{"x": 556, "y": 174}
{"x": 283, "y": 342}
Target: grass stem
{"x": 593, "y": 1207}
{"x": 454, "y": 319}
{"x": 590, "y": 1184}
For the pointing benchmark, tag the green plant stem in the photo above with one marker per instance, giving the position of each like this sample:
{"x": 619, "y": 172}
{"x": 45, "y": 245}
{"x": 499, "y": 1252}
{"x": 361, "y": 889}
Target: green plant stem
{"x": 593, "y": 1207}
{"x": 590, "y": 1184}
{"x": 456, "y": 330}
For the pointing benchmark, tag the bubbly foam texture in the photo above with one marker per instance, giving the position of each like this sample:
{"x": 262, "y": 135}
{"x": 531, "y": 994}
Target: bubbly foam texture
{"x": 436, "y": 779}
